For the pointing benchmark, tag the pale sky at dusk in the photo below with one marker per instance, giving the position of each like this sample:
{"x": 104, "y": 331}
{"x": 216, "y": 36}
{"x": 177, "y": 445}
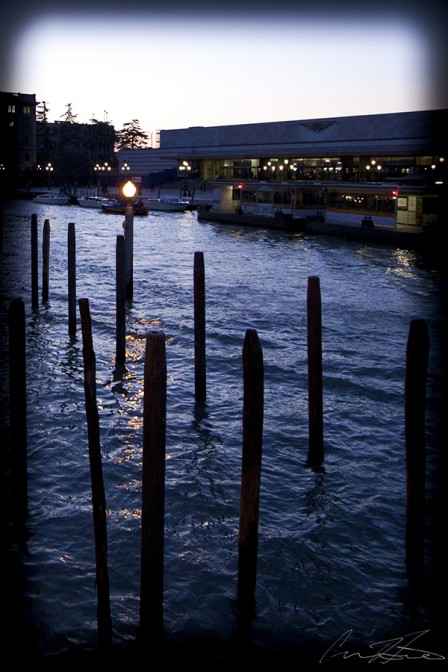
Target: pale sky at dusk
{"x": 176, "y": 69}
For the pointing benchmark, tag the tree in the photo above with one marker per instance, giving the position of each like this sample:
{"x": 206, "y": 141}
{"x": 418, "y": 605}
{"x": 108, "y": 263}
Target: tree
{"x": 68, "y": 116}
{"x": 42, "y": 112}
{"x": 131, "y": 136}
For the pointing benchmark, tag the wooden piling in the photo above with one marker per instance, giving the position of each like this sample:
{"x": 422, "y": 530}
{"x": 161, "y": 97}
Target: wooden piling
{"x": 45, "y": 260}
{"x": 253, "y": 409}
{"x": 120, "y": 301}
{"x": 153, "y": 488}
{"x": 417, "y": 353}
{"x": 17, "y": 410}
{"x": 34, "y": 265}
{"x": 315, "y": 384}
{"x": 129, "y": 251}
{"x": 71, "y": 244}
{"x": 96, "y": 473}
{"x": 199, "y": 327}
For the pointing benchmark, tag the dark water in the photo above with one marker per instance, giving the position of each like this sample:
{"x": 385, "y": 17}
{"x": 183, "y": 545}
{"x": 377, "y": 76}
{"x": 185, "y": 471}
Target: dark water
{"x": 331, "y": 543}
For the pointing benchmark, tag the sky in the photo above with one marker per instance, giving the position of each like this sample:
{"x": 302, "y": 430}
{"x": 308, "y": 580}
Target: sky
{"x": 172, "y": 68}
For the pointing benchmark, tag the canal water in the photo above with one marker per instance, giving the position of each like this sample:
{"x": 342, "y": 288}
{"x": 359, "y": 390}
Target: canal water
{"x": 331, "y": 541}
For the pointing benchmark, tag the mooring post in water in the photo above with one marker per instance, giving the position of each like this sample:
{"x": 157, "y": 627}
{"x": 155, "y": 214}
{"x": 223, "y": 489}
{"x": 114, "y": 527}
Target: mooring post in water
{"x": 253, "y": 409}
{"x": 34, "y": 264}
{"x": 120, "y": 301}
{"x": 45, "y": 260}
{"x": 1, "y": 231}
{"x": 71, "y": 243}
{"x": 129, "y": 250}
{"x": 96, "y": 473}
{"x": 199, "y": 327}
{"x": 17, "y": 409}
{"x": 417, "y": 353}
{"x": 153, "y": 488}
{"x": 315, "y": 385}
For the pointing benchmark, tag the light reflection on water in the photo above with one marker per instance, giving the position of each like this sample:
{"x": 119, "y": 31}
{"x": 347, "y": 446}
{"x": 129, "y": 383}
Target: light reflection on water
{"x": 331, "y": 543}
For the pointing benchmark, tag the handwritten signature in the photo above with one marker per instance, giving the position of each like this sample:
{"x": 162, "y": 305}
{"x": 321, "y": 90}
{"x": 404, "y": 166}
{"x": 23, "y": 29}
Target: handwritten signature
{"x": 386, "y": 650}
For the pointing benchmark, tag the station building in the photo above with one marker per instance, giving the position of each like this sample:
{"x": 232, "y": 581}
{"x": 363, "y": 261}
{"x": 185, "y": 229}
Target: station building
{"x": 390, "y": 164}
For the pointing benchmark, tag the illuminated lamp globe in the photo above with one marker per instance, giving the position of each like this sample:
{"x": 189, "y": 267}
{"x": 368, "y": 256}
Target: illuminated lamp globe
{"x": 129, "y": 189}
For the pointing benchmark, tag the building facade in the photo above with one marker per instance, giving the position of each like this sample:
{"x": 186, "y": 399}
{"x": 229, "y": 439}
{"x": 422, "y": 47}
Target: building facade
{"x": 390, "y": 164}
{"x": 75, "y": 153}
{"x": 18, "y": 145}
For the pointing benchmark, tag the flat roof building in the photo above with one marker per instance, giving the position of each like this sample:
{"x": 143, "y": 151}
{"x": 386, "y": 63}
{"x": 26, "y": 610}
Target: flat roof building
{"x": 18, "y": 134}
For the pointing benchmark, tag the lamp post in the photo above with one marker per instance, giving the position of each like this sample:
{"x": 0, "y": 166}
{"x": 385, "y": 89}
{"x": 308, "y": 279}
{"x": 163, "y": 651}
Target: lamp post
{"x": 49, "y": 168}
{"x": 101, "y": 169}
{"x": 129, "y": 190}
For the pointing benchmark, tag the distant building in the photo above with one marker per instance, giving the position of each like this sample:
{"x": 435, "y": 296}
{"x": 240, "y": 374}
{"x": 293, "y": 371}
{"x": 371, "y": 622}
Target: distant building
{"x": 77, "y": 153}
{"x": 391, "y": 164}
{"x": 146, "y": 166}
{"x": 18, "y": 135}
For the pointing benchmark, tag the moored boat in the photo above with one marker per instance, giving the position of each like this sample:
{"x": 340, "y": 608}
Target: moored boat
{"x": 52, "y": 199}
{"x": 91, "y": 202}
{"x": 119, "y": 208}
{"x": 167, "y": 204}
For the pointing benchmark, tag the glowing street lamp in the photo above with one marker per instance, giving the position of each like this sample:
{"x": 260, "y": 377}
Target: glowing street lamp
{"x": 129, "y": 189}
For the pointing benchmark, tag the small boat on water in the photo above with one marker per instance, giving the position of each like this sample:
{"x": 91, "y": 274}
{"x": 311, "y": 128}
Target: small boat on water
{"x": 52, "y": 199}
{"x": 167, "y": 204}
{"x": 90, "y": 202}
{"x": 119, "y": 208}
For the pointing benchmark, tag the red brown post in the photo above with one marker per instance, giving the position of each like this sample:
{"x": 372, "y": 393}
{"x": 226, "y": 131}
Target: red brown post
{"x": 34, "y": 264}
{"x": 153, "y": 488}
{"x": 17, "y": 409}
{"x": 417, "y": 353}
{"x": 96, "y": 473}
{"x": 315, "y": 385}
{"x": 45, "y": 260}
{"x": 253, "y": 409}
{"x": 71, "y": 244}
{"x": 120, "y": 301}
{"x": 199, "y": 327}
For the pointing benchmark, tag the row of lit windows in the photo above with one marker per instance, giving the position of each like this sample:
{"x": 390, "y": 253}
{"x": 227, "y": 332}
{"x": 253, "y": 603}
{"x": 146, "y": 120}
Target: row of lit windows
{"x": 26, "y": 109}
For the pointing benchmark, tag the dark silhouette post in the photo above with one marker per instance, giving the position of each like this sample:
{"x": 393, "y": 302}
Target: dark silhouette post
{"x": 253, "y": 409}
{"x": 417, "y": 353}
{"x": 45, "y": 260}
{"x": 315, "y": 385}
{"x": 129, "y": 250}
{"x": 120, "y": 301}
{"x": 199, "y": 327}
{"x": 153, "y": 488}
{"x": 34, "y": 265}
{"x": 71, "y": 244}
{"x": 96, "y": 473}
{"x": 17, "y": 410}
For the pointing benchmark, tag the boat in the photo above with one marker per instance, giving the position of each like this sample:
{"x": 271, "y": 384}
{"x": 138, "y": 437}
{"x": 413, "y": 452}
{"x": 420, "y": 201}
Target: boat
{"x": 167, "y": 204}
{"x": 90, "y": 202}
{"x": 52, "y": 199}
{"x": 119, "y": 208}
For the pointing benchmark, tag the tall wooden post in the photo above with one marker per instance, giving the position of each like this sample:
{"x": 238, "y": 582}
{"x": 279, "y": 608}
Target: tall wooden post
{"x": 417, "y": 353}
{"x": 253, "y": 409}
{"x": 71, "y": 244}
{"x": 17, "y": 410}
{"x": 120, "y": 301}
{"x": 96, "y": 473}
{"x": 45, "y": 260}
{"x": 199, "y": 327}
{"x": 34, "y": 264}
{"x": 315, "y": 385}
{"x": 153, "y": 488}
{"x": 129, "y": 250}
